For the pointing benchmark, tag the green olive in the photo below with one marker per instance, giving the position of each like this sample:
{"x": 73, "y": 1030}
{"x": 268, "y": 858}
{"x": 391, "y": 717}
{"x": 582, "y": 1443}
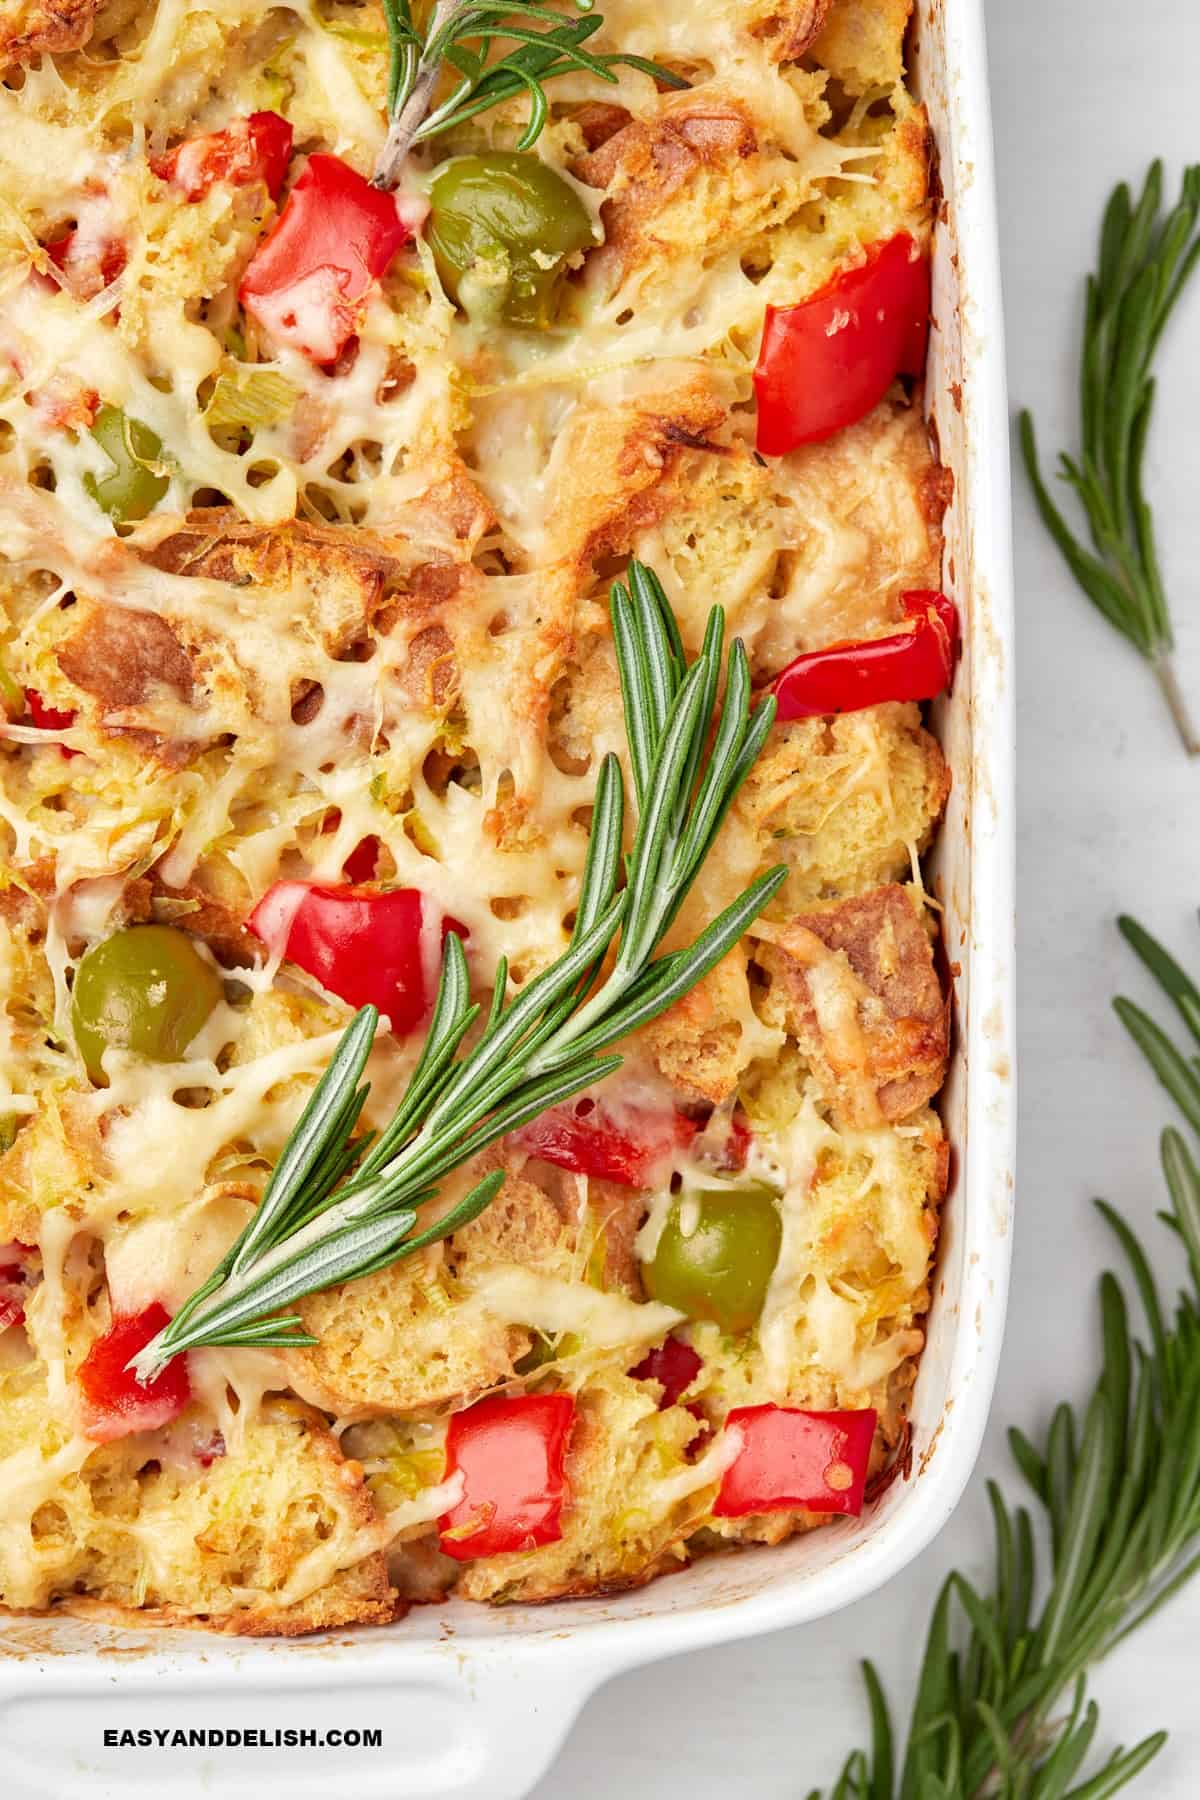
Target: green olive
{"x": 131, "y": 489}
{"x": 502, "y": 230}
{"x": 723, "y": 1268}
{"x": 147, "y": 990}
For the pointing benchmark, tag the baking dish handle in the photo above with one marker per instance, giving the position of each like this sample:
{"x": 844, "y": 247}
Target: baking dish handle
{"x": 469, "y": 1727}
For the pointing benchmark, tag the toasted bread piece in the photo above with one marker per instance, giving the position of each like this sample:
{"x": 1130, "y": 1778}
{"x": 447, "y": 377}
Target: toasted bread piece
{"x": 656, "y": 171}
{"x": 862, "y": 43}
{"x": 846, "y": 802}
{"x": 788, "y": 27}
{"x": 853, "y": 982}
{"x": 393, "y": 1342}
{"x": 333, "y": 586}
{"x": 30, "y": 28}
{"x": 705, "y": 1041}
{"x": 272, "y": 1534}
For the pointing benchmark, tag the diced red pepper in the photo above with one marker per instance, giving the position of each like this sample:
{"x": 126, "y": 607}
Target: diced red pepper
{"x": 89, "y": 258}
{"x": 115, "y": 1402}
{"x": 48, "y": 718}
{"x": 363, "y": 944}
{"x": 915, "y": 664}
{"x": 360, "y": 864}
{"x": 585, "y": 1139}
{"x": 14, "y": 1283}
{"x": 674, "y": 1364}
{"x": 511, "y": 1453}
{"x": 255, "y": 149}
{"x": 307, "y": 283}
{"x": 829, "y": 360}
{"x": 792, "y": 1458}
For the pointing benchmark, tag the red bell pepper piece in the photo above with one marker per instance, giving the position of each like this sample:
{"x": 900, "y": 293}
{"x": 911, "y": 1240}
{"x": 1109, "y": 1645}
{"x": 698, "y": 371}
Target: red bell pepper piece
{"x": 115, "y": 1401}
{"x": 915, "y": 664}
{"x": 14, "y": 1283}
{"x": 791, "y": 1458}
{"x": 512, "y": 1455}
{"x": 585, "y": 1139}
{"x": 90, "y": 260}
{"x": 361, "y": 943}
{"x": 829, "y": 360}
{"x": 48, "y": 718}
{"x": 360, "y": 864}
{"x": 674, "y": 1364}
{"x": 307, "y": 283}
{"x": 255, "y": 149}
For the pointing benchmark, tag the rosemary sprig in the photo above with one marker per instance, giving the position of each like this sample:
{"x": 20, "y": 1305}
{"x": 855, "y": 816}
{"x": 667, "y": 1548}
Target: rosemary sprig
{"x": 1144, "y": 265}
{"x": 462, "y": 34}
{"x": 338, "y": 1207}
{"x": 1118, "y": 1491}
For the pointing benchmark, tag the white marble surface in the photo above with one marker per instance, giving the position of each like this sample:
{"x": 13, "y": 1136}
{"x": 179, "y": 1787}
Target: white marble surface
{"x": 1085, "y": 92}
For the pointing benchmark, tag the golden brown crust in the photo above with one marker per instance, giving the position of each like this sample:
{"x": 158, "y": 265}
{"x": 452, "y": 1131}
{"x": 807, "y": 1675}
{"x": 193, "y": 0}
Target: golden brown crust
{"x": 32, "y": 28}
{"x": 337, "y": 583}
{"x": 618, "y": 465}
{"x": 862, "y": 42}
{"x": 645, "y": 165}
{"x": 195, "y": 908}
{"x": 122, "y": 658}
{"x": 854, "y": 983}
{"x": 790, "y": 27}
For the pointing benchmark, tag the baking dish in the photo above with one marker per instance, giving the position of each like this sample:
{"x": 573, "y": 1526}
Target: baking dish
{"x": 474, "y": 1702}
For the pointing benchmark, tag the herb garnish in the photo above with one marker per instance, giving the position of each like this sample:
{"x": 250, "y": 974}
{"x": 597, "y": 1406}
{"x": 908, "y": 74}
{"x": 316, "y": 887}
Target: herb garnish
{"x": 461, "y": 34}
{"x": 310, "y": 1233}
{"x": 1119, "y": 1491}
{"x": 1145, "y": 262}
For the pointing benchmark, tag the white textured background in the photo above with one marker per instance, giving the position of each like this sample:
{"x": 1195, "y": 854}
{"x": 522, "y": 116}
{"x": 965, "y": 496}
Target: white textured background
{"x": 1085, "y": 92}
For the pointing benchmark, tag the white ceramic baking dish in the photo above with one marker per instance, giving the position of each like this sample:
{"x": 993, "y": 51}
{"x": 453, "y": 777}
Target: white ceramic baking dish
{"x": 474, "y": 1702}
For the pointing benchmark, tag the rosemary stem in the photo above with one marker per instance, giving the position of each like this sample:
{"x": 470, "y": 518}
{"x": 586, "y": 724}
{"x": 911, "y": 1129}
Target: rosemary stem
{"x": 1167, "y": 677}
{"x": 407, "y": 122}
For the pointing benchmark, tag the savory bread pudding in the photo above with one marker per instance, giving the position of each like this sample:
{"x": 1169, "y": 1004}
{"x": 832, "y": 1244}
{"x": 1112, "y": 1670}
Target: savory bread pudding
{"x": 470, "y": 550}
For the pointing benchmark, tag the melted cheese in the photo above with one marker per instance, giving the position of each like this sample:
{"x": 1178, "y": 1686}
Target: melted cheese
{"x": 708, "y": 1469}
{"x": 604, "y": 1321}
{"x": 424, "y": 1507}
{"x": 30, "y": 1478}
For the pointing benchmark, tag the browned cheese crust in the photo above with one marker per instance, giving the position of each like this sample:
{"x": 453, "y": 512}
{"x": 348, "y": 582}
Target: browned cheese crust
{"x": 855, "y": 985}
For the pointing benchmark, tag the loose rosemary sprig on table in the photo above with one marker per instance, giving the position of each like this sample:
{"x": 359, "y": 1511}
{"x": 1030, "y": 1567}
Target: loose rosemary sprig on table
{"x": 1145, "y": 262}
{"x": 462, "y": 35}
{"x": 1118, "y": 1490}
{"x": 339, "y": 1207}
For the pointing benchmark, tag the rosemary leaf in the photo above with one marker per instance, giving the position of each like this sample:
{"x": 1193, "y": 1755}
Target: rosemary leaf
{"x": 338, "y": 1205}
{"x": 1144, "y": 264}
{"x": 461, "y": 35}
{"x": 1166, "y": 971}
